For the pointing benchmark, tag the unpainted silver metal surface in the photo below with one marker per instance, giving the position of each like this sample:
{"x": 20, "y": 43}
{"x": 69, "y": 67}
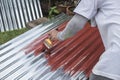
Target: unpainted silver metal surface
{"x": 15, "y": 13}
{"x": 16, "y": 65}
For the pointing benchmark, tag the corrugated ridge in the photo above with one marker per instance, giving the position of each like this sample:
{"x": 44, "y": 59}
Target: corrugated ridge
{"x": 72, "y": 59}
{"x": 72, "y": 54}
{"x": 15, "y": 13}
{"x": 16, "y": 65}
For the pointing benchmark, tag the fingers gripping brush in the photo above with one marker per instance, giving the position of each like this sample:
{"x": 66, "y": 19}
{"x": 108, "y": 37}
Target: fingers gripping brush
{"x": 47, "y": 44}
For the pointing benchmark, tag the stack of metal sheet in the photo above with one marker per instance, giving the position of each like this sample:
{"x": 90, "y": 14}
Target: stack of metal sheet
{"x": 72, "y": 59}
{"x": 15, "y": 13}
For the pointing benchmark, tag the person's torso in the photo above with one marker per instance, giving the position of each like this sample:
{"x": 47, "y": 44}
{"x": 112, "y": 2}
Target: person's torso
{"x": 108, "y": 22}
{"x": 108, "y": 16}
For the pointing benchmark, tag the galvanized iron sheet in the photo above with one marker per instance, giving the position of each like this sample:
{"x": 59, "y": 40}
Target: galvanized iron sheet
{"x": 15, "y": 13}
{"x": 72, "y": 59}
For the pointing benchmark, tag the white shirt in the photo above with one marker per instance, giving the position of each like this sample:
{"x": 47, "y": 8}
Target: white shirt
{"x": 107, "y": 17}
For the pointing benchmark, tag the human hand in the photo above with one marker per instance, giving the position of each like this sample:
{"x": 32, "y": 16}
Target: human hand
{"x": 53, "y": 35}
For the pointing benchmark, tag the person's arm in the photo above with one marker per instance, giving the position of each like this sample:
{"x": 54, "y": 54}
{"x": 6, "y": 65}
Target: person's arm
{"x": 73, "y": 26}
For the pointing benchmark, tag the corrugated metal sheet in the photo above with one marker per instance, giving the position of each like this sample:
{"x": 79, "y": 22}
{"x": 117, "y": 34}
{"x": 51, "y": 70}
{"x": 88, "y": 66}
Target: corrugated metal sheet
{"x": 15, "y": 13}
{"x": 72, "y": 59}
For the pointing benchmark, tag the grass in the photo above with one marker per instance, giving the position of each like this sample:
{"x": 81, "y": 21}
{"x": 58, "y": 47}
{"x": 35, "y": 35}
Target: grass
{"x": 6, "y": 36}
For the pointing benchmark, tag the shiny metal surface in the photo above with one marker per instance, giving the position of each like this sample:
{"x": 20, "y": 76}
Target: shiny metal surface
{"x": 15, "y": 13}
{"x": 72, "y": 59}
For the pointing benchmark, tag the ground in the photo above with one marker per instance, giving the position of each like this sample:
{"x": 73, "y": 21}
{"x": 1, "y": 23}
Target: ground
{"x": 6, "y": 36}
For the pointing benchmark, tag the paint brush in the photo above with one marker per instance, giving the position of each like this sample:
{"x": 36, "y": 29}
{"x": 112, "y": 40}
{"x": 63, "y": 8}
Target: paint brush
{"x": 48, "y": 44}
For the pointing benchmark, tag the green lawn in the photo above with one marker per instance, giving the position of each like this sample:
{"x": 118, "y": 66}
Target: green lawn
{"x": 6, "y": 36}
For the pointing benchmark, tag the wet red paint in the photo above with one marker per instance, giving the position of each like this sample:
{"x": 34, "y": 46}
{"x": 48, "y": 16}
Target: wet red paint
{"x": 79, "y": 53}
{"x": 72, "y": 47}
{"x": 39, "y": 49}
{"x": 89, "y": 64}
{"x": 62, "y": 45}
{"x": 35, "y": 44}
{"x": 42, "y": 47}
{"x": 76, "y": 54}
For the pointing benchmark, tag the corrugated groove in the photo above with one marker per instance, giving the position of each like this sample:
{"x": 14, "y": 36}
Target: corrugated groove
{"x": 13, "y": 61}
{"x": 28, "y": 37}
{"x": 15, "y": 13}
{"x": 74, "y": 54}
{"x": 72, "y": 59}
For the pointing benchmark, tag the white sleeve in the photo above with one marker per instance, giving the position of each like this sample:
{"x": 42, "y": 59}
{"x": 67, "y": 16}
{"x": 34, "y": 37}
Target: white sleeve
{"x": 87, "y": 8}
